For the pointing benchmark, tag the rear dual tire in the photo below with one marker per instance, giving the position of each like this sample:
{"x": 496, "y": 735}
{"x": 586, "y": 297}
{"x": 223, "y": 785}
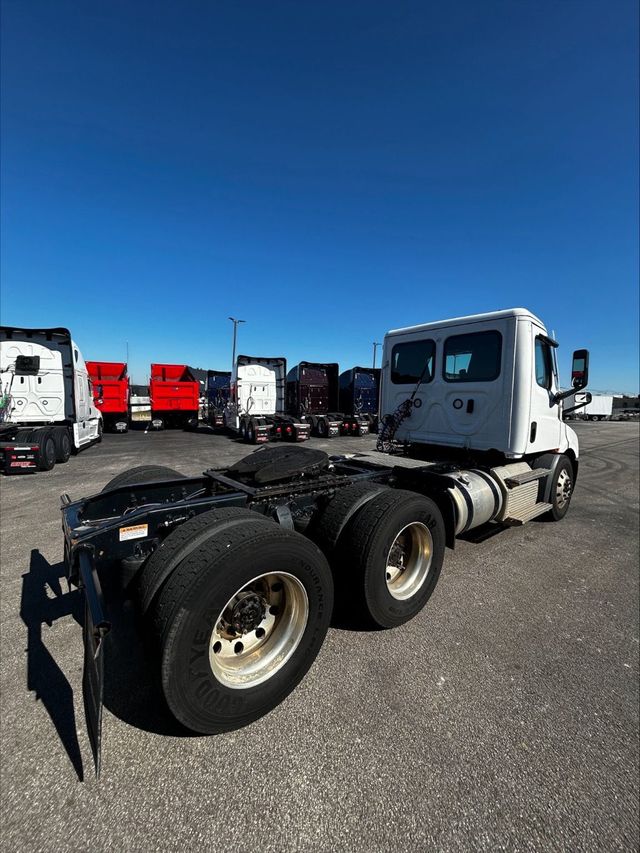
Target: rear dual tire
{"x": 48, "y": 450}
{"x": 386, "y": 555}
{"x": 275, "y": 587}
{"x": 47, "y": 439}
{"x": 62, "y": 441}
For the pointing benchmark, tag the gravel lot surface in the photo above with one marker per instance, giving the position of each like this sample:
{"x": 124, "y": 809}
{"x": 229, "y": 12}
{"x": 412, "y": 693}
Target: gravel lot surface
{"x": 504, "y": 716}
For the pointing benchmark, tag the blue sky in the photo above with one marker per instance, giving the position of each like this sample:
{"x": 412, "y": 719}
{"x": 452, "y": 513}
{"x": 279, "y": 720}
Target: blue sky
{"x": 325, "y": 170}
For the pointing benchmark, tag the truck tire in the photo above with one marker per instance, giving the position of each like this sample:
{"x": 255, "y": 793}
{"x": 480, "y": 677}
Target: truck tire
{"x": 326, "y": 528}
{"x": 142, "y": 474}
{"x": 182, "y": 541}
{"x": 243, "y": 430}
{"x": 390, "y": 556}
{"x": 561, "y": 490}
{"x": 47, "y": 449}
{"x": 322, "y": 429}
{"x": 239, "y": 623}
{"x": 251, "y": 433}
{"x": 62, "y": 441}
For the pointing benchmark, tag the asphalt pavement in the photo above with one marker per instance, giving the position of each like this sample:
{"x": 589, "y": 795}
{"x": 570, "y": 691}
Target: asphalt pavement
{"x": 504, "y": 716}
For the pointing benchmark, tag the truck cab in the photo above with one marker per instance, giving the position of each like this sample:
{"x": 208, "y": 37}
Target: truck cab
{"x": 47, "y": 402}
{"x": 486, "y": 382}
{"x": 359, "y": 393}
{"x": 218, "y": 391}
{"x": 257, "y": 401}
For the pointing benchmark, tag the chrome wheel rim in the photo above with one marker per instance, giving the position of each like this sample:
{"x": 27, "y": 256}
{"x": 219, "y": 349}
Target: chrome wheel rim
{"x": 409, "y": 560}
{"x": 258, "y": 630}
{"x": 564, "y": 487}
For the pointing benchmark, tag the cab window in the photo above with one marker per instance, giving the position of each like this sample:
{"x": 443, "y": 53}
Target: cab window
{"x": 412, "y": 361}
{"x": 472, "y": 358}
{"x": 543, "y": 364}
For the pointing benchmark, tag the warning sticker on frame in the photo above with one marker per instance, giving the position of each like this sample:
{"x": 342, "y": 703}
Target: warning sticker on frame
{"x": 136, "y": 531}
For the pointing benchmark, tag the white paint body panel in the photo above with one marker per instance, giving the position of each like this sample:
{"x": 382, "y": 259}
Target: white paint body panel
{"x": 503, "y": 409}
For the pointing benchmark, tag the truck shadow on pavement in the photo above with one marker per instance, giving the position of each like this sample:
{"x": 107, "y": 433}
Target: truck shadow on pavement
{"x": 43, "y": 602}
{"x": 130, "y": 692}
{"x": 132, "y": 689}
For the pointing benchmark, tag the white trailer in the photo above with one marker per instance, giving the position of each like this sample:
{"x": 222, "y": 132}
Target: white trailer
{"x": 584, "y": 406}
{"x": 600, "y": 408}
{"x": 46, "y": 408}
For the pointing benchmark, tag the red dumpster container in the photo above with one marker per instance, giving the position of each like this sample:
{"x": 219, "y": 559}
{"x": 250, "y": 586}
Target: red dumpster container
{"x": 111, "y": 392}
{"x": 175, "y": 396}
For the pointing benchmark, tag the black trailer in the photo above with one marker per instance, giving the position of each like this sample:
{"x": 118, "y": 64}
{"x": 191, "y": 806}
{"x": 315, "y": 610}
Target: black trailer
{"x": 218, "y": 391}
{"x": 313, "y": 395}
{"x": 359, "y": 393}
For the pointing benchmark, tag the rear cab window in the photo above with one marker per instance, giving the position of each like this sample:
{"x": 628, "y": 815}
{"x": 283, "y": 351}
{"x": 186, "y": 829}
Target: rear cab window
{"x": 412, "y": 361}
{"x": 474, "y": 357}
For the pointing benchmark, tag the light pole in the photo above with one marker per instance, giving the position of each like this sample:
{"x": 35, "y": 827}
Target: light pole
{"x": 376, "y": 344}
{"x": 235, "y": 332}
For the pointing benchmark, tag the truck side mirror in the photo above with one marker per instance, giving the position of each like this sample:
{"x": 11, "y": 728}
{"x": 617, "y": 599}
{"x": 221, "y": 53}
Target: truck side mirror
{"x": 580, "y": 369}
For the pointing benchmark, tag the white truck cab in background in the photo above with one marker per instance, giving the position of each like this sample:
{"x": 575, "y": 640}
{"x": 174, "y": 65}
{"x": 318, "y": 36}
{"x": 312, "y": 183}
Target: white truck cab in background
{"x": 256, "y": 406}
{"x": 46, "y": 409}
{"x": 484, "y": 389}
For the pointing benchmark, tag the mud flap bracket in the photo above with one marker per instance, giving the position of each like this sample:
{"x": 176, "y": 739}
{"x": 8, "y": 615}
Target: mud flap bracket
{"x": 94, "y": 631}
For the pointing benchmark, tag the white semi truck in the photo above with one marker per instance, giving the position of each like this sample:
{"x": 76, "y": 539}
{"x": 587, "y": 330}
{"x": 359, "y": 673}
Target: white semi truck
{"x": 46, "y": 401}
{"x": 255, "y": 409}
{"x": 236, "y": 571}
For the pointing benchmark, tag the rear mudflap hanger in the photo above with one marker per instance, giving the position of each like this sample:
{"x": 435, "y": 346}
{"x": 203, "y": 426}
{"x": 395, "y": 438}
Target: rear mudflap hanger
{"x": 95, "y": 629}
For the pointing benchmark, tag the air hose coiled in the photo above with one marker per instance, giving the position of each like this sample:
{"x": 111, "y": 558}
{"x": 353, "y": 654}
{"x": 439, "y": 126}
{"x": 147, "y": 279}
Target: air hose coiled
{"x": 390, "y": 425}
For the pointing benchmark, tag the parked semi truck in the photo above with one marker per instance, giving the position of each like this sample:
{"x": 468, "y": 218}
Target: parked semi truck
{"x": 313, "y": 396}
{"x": 218, "y": 392}
{"x": 110, "y": 385}
{"x": 46, "y": 406}
{"x": 175, "y": 396}
{"x": 359, "y": 392}
{"x": 236, "y": 571}
{"x": 257, "y": 400}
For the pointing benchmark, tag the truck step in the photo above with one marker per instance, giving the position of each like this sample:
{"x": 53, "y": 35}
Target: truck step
{"x": 527, "y": 477}
{"x": 527, "y": 514}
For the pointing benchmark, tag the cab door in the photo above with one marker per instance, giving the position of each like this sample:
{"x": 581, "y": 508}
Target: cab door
{"x": 544, "y": 418}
